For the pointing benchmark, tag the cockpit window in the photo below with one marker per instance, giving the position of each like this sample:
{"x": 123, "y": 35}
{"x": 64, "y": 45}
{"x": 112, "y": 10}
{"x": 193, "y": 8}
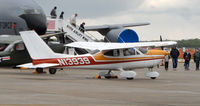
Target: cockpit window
{"x": 29, "y": 11}
{"x": 3, "y": 47}
{"x": 112, "y": 53}
{"x": 128, "y": 52}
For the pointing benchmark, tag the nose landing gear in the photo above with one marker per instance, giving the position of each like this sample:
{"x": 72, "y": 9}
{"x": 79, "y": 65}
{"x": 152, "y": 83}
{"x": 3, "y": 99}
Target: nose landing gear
{"x": 152, "y": 74}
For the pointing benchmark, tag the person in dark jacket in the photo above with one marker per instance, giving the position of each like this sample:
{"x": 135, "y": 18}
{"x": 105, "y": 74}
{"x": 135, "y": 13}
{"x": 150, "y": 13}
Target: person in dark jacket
{"x": 61, "y": 15}
{"x": 197, "y": 58}
{"x": 187, "y": 57}
{"x": 53, "y": 12}
{"x": 174, "y": 54}
{"x": 82, "y": 27}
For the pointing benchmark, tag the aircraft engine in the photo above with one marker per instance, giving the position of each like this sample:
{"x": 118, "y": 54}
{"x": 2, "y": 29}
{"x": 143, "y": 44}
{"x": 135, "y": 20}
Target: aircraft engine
{"x": 121, "y": 35}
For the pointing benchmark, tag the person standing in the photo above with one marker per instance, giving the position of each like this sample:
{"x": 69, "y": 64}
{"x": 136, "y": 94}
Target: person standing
{"x": 174, "y": 54}
{"x": 166, "y": 59}
{"x": 82, "y": 27}
{"x": 187, "y": 57}
{"x": 61, "y": 15}
{"x": 73, "y": 19}
{"x": 53, "y": 13}
{"x": 197, "y": 58}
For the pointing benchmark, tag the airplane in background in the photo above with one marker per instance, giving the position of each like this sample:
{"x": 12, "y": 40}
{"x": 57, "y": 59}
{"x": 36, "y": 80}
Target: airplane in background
{"x": 21, "y": 15}
{"x": 104, "y": 56}
{"x": 13, "y": 51}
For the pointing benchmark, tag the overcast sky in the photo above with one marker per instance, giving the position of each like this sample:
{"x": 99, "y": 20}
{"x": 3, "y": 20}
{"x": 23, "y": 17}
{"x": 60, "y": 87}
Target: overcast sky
{"x": 173, "y": 19}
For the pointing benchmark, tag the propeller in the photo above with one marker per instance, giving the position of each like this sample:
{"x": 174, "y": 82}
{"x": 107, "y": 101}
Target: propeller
{"x": 161, "y": 41}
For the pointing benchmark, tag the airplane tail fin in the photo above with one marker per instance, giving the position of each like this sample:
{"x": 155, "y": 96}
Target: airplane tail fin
{"x": 36, "y": 47}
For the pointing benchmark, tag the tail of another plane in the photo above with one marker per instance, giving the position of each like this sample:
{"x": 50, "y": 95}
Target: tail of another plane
{"x": 37, "y": 48}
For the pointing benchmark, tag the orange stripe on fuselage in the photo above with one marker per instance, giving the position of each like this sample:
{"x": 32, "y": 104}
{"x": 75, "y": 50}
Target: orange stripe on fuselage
{"x": 100, "y": 57}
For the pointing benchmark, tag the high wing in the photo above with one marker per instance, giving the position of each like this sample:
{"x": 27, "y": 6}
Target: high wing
{"x": 115, "y": 26}
{"x": 53, "y": 34}
{"x": 111, "y": 46}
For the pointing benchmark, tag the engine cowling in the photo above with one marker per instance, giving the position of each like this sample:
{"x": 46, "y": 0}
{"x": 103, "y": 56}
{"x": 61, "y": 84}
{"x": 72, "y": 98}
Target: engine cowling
{"x": 122, "y": 36}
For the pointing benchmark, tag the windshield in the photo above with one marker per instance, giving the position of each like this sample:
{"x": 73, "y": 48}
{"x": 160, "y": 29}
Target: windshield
{"x": 94, "y": 51}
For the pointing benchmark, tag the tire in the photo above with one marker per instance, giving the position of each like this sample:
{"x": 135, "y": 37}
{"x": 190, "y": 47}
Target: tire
{"x": 108, "y": 77}
{"x": 130, "y": 78}
{"x": 153, "y": 77}
{"x": 52, "y": 70}
{"x": 39, "y": 70}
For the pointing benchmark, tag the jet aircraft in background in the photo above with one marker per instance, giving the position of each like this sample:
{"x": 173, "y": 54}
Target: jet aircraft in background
{"x": 21, "y": 15}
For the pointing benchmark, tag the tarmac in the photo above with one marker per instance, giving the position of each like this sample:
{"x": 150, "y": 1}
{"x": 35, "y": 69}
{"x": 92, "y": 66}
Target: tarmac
{"x": 75, "y": 87}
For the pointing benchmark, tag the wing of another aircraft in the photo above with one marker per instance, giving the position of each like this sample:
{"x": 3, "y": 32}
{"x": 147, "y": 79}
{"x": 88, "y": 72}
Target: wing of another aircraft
{"x": 111, "y": 46}
{"x": 53, "y": 34}
{"x": 43, "y": 65}
{"x": 115, "y": 26}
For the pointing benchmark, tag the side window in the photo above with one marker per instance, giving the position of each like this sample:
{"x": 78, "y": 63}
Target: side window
{"x": 112, "y": 53}
{"x": 19, "y": 47}
{"x": 143, "y": 50}
{"x": 130, "y": 51}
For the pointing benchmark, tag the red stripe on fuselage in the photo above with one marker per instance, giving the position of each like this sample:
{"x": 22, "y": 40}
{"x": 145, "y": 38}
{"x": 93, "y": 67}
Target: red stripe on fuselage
{"x": 87, "y": 60}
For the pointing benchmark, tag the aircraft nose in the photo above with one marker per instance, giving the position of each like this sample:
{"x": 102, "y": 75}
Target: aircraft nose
{"x": 37, "y": 22}
{"x": 157, "y": 52}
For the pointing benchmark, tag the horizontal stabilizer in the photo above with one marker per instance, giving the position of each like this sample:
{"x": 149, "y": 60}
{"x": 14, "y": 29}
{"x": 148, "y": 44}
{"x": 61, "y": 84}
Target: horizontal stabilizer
{"x": 111, "y": 46}
{"x": 43, "y": 65}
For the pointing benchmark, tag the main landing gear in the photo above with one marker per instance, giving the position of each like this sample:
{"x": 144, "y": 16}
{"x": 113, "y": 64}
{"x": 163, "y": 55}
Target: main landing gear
{"x": 152, "y": 74}
{"x": 39, "y": 70}
{"x": 106, "y": 74}
{"x": 129, "y": 75}
{"x": 51, "y": 70}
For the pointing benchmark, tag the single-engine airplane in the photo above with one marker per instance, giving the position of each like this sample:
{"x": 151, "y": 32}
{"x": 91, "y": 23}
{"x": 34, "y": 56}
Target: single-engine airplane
{"x": 105, "y": 56}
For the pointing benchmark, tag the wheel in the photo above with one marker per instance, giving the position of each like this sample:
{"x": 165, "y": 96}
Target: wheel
{"x": 52, "y": 70}
{"x": 153, "y": 77}
{"x": 130, "y": 78}
{"x": 39, "y": 70}
{"x": 108, "y": 77}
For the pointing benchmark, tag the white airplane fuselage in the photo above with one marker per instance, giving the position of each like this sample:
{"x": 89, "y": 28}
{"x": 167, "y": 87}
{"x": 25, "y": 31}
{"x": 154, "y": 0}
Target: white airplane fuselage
{"x": 104, "y": 62}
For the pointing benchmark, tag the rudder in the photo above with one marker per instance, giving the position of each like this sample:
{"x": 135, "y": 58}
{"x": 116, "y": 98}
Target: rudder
{"x": 36, "y": 47}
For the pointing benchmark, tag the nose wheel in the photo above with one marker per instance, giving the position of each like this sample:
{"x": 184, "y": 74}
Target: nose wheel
{"x": 152, "y": 74}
